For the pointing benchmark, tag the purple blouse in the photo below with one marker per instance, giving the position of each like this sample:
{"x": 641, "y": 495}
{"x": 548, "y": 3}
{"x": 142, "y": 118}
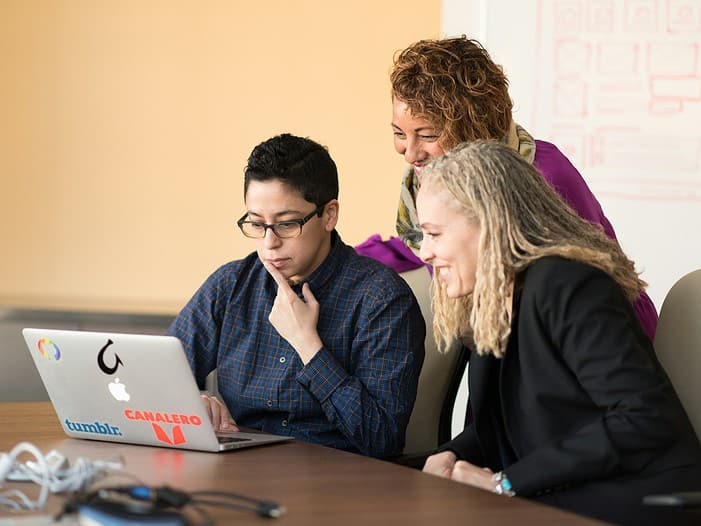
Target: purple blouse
{"x": 564, "y": 178}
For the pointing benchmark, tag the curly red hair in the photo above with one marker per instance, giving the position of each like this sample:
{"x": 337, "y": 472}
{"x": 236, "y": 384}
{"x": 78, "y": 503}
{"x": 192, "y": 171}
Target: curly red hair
{"x": 454, "y": 84}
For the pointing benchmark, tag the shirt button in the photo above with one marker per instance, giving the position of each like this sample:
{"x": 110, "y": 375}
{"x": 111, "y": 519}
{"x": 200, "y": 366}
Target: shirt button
{"x": 284, "y": 423}
{"x": 270, "y": 403}
{"x": 282, "y": 359}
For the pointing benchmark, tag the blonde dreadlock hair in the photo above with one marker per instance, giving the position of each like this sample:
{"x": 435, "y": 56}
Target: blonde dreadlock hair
{"x": 522, "y": 220}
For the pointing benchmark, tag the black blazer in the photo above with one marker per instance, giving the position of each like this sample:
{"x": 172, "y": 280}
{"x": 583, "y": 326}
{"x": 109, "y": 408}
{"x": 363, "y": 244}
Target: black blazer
{"x": 583, "y": 396}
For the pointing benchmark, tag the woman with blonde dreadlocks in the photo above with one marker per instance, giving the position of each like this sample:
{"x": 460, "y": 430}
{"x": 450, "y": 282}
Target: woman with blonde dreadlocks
{"x": 570, "y": 404}
{"x": 446, "y": 92}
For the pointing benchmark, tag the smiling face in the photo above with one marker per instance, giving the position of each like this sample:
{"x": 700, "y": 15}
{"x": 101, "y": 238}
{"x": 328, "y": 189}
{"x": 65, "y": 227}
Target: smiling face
{"x": 451, "y": 239}
{"x": 296, "y": 258}
{"x": 414, "y": 138}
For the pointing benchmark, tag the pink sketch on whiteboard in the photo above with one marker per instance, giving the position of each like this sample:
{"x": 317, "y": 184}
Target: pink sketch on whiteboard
{"x": 683, "y": 16}
{"x": 568, "y": 17}
{"x": 596, "y": 150}
{"x": 648, "y": 156}
{"x": 600, "y": 16}
{"x": 673, "y": 59}
{"x": 617, "y": 58}
{"x": 571, "y": 57}
{"x": 640, "y": 16}
{"x": 571, "y": 142}
{"x": 636, "y": 150}
{"x": 681, "y": 88}
{"x": 665, "y": 107}
{"x": 613, "y": 103}
{"x": 622, "y": 86}
{"x": 661, "y": 194}
{"x": 570, "y": 98}
{"x": 654, "y": 190}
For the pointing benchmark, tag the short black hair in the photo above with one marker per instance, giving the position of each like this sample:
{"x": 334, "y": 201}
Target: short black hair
{"x": 299, "y": 163}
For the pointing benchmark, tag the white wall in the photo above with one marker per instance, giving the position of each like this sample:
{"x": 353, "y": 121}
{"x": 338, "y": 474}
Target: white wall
{"x": 617, "y": 86}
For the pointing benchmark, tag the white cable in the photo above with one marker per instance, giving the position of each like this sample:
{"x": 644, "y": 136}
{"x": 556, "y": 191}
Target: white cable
{"x": 6, "y": 498}
{"x": 51, "y": 471}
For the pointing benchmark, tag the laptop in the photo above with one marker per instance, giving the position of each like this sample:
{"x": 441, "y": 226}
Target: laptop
{"x": 129, "y": 388}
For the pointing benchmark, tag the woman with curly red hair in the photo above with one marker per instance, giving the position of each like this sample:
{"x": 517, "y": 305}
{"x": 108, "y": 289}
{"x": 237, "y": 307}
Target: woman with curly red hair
{"x": 449, "y": 91}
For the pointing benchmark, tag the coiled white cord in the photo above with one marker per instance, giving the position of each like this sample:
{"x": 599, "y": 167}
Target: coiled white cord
{"x": 51, "y": 471}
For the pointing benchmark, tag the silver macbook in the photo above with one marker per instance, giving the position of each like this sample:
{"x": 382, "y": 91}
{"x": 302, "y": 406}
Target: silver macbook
{"x": 129, "y": 388}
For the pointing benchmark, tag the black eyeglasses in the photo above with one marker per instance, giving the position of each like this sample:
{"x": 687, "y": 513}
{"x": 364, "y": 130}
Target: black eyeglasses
{"x": 282, "y": 229}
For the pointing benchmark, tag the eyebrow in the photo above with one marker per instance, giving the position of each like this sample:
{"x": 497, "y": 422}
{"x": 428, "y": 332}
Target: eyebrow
{"x": 277, "y": 214}
{"x": 422, "y": 128}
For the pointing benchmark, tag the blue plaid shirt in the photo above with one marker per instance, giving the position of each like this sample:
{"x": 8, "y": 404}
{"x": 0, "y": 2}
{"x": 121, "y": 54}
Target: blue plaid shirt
{"x": 356, "y": 393}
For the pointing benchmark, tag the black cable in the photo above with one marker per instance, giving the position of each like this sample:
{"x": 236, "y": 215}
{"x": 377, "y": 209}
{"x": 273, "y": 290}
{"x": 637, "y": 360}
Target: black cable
{"x": 144, "y": 499}
{"x": 206, "y": 518}
{"x": 265, "y": 509}
{"x": 262, "y": 507}
{"x": 223, "y": 494}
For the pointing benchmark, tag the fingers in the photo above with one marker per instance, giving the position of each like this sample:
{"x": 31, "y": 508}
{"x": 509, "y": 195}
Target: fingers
{"x": 226, "y": 423}
{"x": 472, "y": 475}
{"x": 230, "y": 426}
{"x": 307, "y": 293}
{"x": 441, "y": 470}
{"x": 207, "y": 406}
{"x": 219, "y": 414}
{"x": 440, "y": 464}
{"x": 284, "y": 287}
{"x": 278, "y": 277}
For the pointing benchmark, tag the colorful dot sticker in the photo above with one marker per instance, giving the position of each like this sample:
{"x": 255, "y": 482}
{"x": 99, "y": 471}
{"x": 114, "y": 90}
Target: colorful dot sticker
{"x": 49, "y": 349}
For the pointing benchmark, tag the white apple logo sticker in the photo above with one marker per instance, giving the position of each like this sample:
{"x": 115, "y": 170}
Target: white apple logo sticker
{"x": 119, "y": 390}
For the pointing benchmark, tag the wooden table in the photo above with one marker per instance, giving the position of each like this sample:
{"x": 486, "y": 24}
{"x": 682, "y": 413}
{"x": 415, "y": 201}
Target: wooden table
{"x": 317, "y": 485}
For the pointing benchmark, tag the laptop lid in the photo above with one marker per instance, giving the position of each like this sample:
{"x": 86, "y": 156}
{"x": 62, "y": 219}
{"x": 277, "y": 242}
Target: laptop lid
{"x": 130, "y": 388}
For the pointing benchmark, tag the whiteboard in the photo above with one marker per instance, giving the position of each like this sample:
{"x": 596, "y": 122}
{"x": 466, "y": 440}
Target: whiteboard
{"x": 616, "y": 85}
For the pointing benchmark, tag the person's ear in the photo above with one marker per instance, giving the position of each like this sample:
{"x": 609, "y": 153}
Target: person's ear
{"x": 330, "y": 215}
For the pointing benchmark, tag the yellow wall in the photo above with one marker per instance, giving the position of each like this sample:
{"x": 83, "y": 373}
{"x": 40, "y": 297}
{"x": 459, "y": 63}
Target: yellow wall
{"x": 125, "y": 126}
